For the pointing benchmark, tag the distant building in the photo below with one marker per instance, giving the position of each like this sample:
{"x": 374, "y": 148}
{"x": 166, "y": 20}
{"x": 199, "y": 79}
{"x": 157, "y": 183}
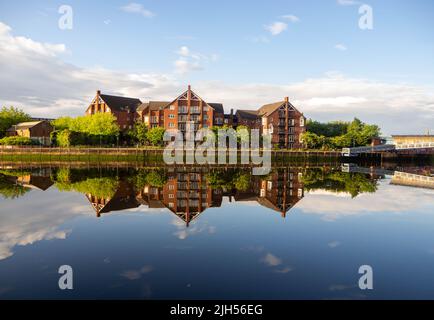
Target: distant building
{"x": 413, "y": 141}
{"x": 152, "y": 113}
{"x": 281, "y": 120}
{"x": 123, "y": 108}
{"x": 38, "y": 131}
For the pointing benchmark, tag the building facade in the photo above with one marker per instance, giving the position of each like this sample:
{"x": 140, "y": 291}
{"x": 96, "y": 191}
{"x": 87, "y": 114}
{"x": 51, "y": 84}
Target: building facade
{"x": 38, "y": 131}
{"x": 123, "y": 108}
{"x": 281, "y": 119}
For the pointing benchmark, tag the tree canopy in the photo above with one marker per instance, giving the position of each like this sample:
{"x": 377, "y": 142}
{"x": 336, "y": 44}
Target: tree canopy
{"x": 338, "y": 134}
{"x": 10, "y": 116}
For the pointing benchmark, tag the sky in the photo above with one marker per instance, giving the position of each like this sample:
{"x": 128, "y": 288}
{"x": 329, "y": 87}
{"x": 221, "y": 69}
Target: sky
{"x": 241, "y": 53}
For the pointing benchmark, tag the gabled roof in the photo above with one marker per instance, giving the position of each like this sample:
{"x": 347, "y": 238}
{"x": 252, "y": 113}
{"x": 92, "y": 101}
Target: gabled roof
{"x": 153, "y": 105}
{"x": 268, "y": 109}
{"x": 121, "y": 103}
{"x": 248, "y": 114}
{"x": 24, "y": 125}
{"x": 217, "y": 107}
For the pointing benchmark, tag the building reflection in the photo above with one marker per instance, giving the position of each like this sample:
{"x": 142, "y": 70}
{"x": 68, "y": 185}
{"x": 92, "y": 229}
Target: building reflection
{"x": 188, "y": 194}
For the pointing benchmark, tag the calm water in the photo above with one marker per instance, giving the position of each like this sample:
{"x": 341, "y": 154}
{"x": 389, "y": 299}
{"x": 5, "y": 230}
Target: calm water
{"x": 153, "y": 234}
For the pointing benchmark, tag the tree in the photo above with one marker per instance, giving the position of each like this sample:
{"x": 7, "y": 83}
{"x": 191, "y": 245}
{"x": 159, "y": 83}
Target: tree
{"x": 155, "y": 136}
{"x": 310, "y": 140}
{"x": 62, "y": 123}
{"x": 139, "y": 133}
{"x": 11, "y": 116}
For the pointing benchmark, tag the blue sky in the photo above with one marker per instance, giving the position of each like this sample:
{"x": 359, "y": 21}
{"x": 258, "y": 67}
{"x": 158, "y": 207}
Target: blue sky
{"x": 225, "y": 49}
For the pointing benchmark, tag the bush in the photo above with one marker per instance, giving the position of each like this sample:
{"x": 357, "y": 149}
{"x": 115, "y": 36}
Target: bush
{"x": 17, "y": 141}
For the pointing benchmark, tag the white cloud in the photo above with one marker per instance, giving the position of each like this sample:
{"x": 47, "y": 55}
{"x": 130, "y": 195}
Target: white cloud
{"x": 191, "y": 61}
{"x": 334, "y": 244}
{"x": 291, "y": 18}
{"x": 136, "y": 274}
{"x": 276, "y": 27}
{"x": 331, "y": 207}
{"x": 348, "y": 2}
{"x": 35, "y": 78}
{"x": 258, "y": 39}
{"x": 45, "y": 223}
{"x": 341, "y": 47}
{"x": 183, "y": 66}
{"x": 271, "y": 260}
{"x": 138, "y": 9}
{"x": 184, "y": 51}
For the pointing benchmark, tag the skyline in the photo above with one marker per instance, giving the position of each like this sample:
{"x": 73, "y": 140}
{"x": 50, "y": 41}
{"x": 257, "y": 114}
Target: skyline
{"x": 320, "y": 58}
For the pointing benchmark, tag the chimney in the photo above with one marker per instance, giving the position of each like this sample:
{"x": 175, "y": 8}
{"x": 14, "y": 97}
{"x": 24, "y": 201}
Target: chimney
{"x": 98, "y": 93}
{"x": 189, "y": 87}
{"x": 286, "y": 99}
{"x": 232, "y": 112}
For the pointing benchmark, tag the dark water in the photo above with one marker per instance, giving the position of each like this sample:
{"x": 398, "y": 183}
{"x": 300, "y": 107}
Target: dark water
{"x": 297, "y": 233}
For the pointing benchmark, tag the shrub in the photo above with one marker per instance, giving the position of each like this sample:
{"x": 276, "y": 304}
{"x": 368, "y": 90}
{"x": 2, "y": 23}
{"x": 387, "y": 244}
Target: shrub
{"x": 17, "y": 141}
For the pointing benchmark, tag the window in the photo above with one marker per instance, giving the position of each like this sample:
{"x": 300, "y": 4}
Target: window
{"x": 171, "y": 205}
{"x": 269, "y": 185}
{"x": 205, "y": 109}
{"x": 171, "y": 196}
{"x": 262, "y": 193}
{"x": 302, "y": 122}
{"x": 172, "y": 107}
{"x": 171, "y": 116}
{"x": 171, "y": 125}
{"x": 271, "y": 128}
{"x": 300, "y": 193}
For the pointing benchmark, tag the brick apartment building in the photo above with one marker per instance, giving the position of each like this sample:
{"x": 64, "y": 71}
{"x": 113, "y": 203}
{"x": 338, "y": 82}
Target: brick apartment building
{"x": 123, "y": 108}
{"x": 280, "y": 119}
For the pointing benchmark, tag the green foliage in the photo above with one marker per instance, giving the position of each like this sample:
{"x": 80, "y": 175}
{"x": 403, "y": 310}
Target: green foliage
{"x": 99, "y": 187}
{"x": 337, "y": 135}
{"x": 62, "y": 123}
{"x": 153, "y": 178}
{"x": 155, "y": 136}
{"x": 229, "y": 179}
{"x": 139, "y": 133}
{"x": 11, "y": 116}
{"x": 9, "y": 189}
{"x": 337, "y": 181}
{"x": 330, "y": 129}
{"x": 100, "y": 128}
{"x": 242, "y": 182}
{"x": 17, "y": 141}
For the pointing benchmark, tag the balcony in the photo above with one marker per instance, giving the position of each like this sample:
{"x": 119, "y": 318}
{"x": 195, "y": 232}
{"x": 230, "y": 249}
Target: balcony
{"x": 182, "y": 110}
{"x": 194, "y": 110}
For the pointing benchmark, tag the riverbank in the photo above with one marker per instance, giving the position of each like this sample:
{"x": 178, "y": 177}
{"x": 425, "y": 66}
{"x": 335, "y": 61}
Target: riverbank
{"x": 135, "y": 154}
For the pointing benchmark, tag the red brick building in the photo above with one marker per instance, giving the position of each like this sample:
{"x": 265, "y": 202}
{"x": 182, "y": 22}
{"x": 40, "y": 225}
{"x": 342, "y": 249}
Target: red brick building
{"x": 280, "y": 119}
{"x": 123, "y": 108}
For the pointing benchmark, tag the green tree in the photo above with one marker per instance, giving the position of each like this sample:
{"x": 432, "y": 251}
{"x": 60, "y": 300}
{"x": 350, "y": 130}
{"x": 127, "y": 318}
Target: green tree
{"x": 11, "y": 116}
{"x": 139, "y": 133}
{"x": 155, "y": 136}
{"x": 62, "y": 123}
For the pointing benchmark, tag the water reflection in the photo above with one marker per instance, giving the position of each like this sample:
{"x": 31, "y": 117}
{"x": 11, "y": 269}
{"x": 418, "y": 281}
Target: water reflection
{"x": 188, "y": 192}
{"x": 165, "y": 219}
